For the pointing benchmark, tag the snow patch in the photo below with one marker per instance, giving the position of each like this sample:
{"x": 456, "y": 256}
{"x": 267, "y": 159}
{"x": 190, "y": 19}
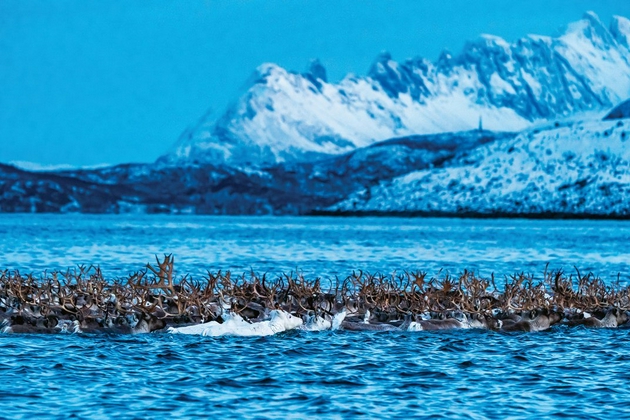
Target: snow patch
{"x": 573, "y": 167}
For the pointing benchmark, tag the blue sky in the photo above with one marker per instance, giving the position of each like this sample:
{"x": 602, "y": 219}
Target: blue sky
{"x": 85, "y": 82}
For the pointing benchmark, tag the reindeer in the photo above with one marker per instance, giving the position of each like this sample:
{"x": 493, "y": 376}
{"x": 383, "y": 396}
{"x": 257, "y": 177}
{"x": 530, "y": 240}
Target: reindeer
{"x": 614, "y": 317}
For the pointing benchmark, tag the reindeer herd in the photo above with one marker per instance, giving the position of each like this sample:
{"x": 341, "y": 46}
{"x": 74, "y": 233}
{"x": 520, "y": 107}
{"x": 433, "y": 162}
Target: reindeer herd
{"x": 83, "y": 301}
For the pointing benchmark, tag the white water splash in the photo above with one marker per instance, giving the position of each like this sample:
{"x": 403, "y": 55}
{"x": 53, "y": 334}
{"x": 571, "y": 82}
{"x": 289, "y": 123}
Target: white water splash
{"x": 235, "y": 325}
{"x": 338, "y": 319}
{"x": 316, "y": 323}
{"x": 415, "y": 326}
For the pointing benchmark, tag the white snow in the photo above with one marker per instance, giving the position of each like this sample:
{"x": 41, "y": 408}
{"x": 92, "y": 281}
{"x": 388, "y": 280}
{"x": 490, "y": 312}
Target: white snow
{"x": 500, "y": 85}
{"x": 576, "y": 167}
{"x": 285, "y": 117}
{"x": 606, "y": 69}
{"x": 532, "y": 83}
{"x": 620, "y": 28}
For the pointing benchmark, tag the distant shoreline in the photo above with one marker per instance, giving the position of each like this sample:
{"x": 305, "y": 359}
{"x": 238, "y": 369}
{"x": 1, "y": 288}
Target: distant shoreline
{"x": 471, "y": 215}
{"x": 365, "y": 214}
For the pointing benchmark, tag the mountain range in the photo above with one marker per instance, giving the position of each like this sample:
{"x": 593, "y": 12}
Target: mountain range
{"x": 501, "y": 129}
{"x": 287, "y": 117}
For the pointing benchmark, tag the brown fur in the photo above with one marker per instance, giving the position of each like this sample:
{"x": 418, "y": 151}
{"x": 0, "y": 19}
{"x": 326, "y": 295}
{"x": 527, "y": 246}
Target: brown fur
{"x": 535, "y": 321}
{"x": 361, "y": 326}
{"x": 441, "y": 324}
{"x": 613, "y": 318}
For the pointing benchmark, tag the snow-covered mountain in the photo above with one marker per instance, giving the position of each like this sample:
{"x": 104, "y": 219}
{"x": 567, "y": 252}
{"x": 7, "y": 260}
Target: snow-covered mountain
{"x": 404, "y": 139}
{"x": 288, "y": 188}
{"x": 568, "y": 169}
{"x": 576, "y": 168}
{"x": 288, "y": 117}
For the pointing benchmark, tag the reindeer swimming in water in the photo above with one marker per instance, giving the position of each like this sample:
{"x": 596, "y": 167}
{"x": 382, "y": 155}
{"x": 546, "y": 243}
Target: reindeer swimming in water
{"x": 614, "y": 317}
{"x": 535, "y": 320}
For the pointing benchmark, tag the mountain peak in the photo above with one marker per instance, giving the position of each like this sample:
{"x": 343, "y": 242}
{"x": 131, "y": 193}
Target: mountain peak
{"x": 591, "y": 28}
{"x": 592, "y": 18}
{"x": 386, "y": 72}
{"x": 317, "y": 70}
{"x": 488, "y": 53}
{"x": 264, "y": 72}
{"x": 288, "y": 116}
{"x": 492, "y": 40}
{"x": 383, "y": 57}
{"x": 316, "y": 73}
{"x": 620, "y": 30}
{"x": 382, "y": 64}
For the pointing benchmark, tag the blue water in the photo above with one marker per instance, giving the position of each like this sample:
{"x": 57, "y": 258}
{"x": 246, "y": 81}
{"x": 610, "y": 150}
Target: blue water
{"x": 316, "y": 246}
{"x": 453, "y": 374}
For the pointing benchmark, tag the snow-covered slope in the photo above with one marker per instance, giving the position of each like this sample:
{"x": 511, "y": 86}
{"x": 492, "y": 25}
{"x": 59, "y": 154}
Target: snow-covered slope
{"x": 577, "y": 169}
{"x": 574, "y": 168}
{"x": 285, "y": 116}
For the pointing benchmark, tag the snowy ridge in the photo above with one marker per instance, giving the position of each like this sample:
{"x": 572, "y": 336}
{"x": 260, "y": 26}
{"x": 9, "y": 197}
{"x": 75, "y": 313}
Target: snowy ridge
{"x": 287, "y": 117}
{"x": 573, "y": 168}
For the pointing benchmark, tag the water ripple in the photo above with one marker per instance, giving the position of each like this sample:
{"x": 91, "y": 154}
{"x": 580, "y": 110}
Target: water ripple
{"x": 564, "y": 372}
{"x": 459, "y": 374}
{"x": 318, "y": 246}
